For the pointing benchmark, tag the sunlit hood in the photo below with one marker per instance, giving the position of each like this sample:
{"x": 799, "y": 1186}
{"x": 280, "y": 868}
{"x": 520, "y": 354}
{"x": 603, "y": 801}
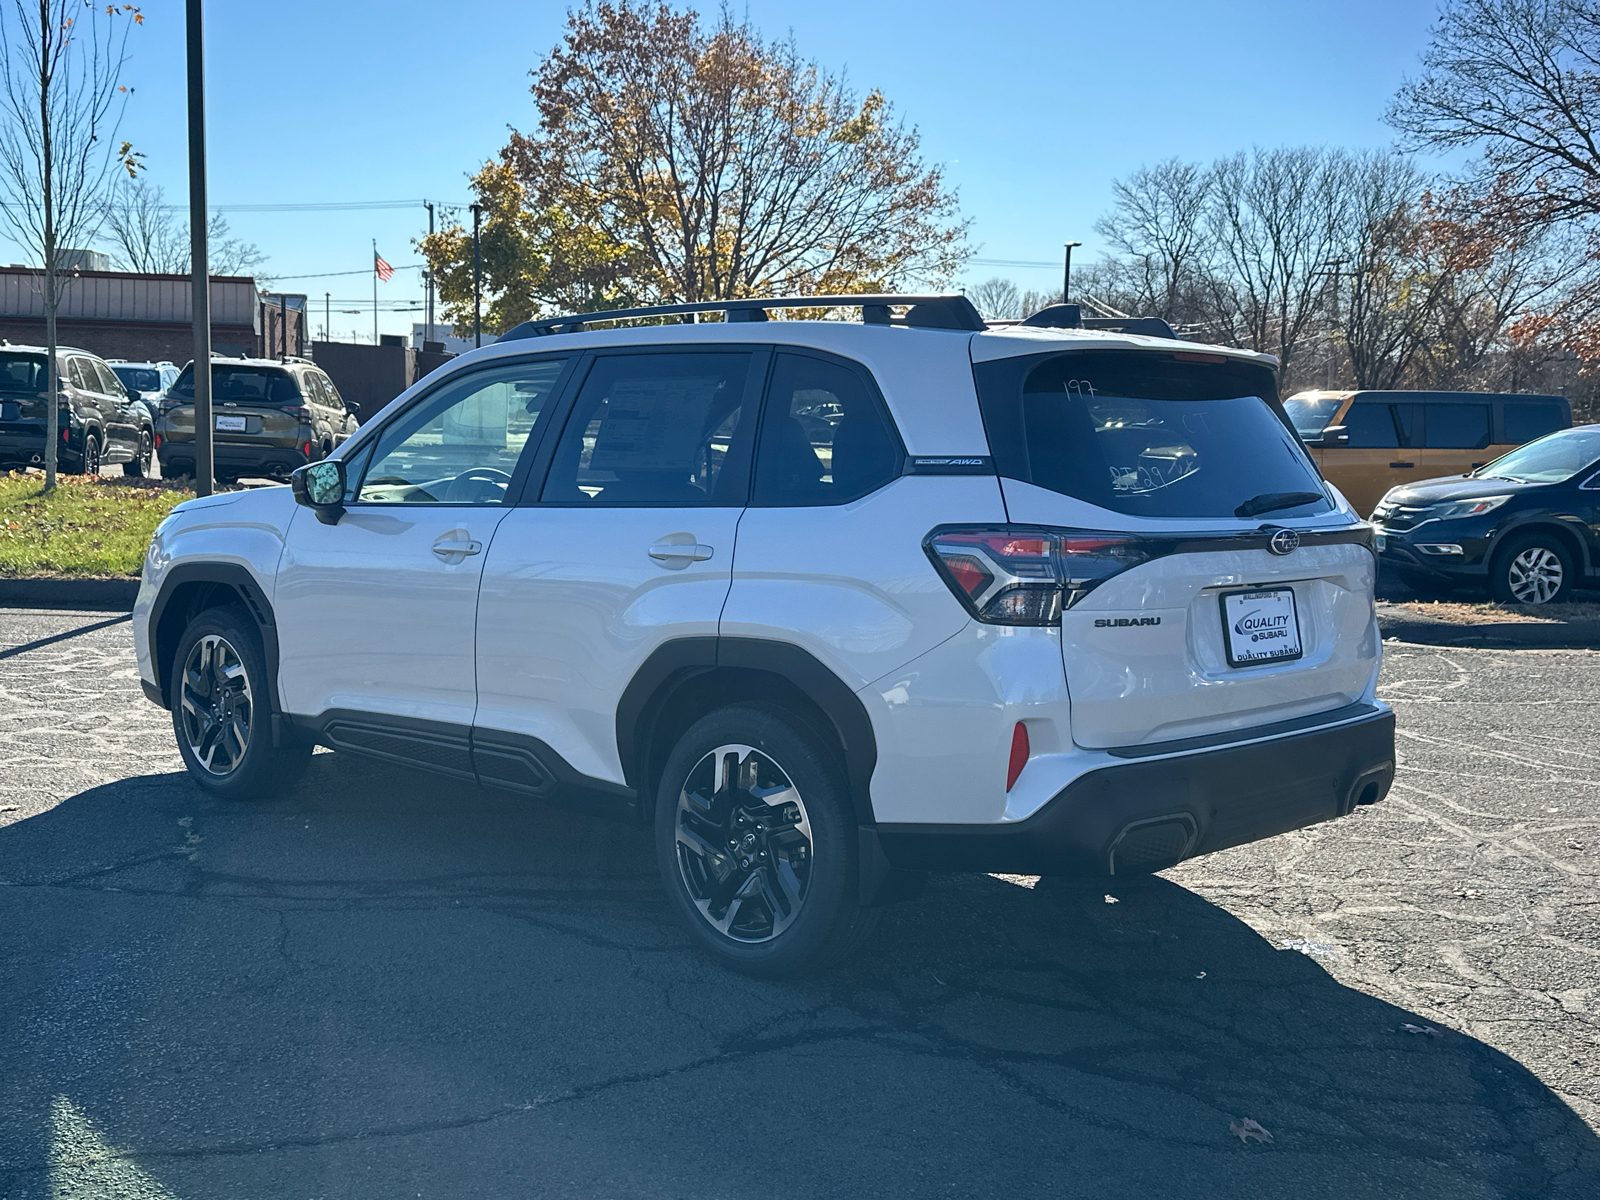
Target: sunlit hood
{"x": 1455, "y": 487}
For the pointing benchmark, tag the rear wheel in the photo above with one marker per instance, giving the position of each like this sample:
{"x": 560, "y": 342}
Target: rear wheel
{"x": 221, "y": 712}
{"x": 1534, "y": 569}
{"x": 91, "y": 456}
{"x": 756, "y": 842}
{"x": 140, "y": 466}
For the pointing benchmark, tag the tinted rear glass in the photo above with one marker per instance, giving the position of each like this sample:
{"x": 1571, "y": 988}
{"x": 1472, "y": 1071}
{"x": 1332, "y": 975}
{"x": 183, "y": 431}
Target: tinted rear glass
{"x": 22, "y": 373}
{"x": 1529, "y": 419}
{"x": 241, "y": 385}
{"x": 1458, "y": 426}
{"x": 139, "y": 379}
{"x": 1146, "y": 434}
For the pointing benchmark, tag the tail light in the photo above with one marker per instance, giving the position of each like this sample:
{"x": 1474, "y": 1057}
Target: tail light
{"x": 300, "y": 413}
{"x": 306, "y": 449}
{"x": 1027, "y": 574}
{"x": 158, "y": 442}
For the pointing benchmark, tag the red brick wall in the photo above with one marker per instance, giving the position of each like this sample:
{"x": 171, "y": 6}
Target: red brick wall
{"x": 137, "y": 343}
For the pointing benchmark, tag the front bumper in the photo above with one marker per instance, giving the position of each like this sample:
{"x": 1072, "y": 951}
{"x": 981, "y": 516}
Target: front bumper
{"x": 1400, "y": 548}
{"x": 1151, "y": 813}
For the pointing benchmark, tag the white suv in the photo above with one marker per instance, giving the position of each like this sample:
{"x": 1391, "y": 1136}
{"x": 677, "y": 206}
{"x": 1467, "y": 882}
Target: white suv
{"x": 833, "y": 603}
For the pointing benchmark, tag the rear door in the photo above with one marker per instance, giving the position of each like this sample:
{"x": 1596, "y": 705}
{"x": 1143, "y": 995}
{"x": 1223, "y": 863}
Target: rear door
{"x": 1197, "y": 627}
{"x": 1457, "y": 436}
{"x": 628, "y": 544}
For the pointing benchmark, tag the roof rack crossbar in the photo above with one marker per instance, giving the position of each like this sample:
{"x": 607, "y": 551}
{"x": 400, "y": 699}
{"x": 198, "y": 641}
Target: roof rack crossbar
{"x": 937, "y": 311}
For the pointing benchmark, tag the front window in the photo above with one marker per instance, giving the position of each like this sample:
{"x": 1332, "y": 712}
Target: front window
{"x": 1553, "y": 459}
{"x": 139, "y": 379}
{"x": 1311, "y": 415}
{"x": 1149, "y": 434}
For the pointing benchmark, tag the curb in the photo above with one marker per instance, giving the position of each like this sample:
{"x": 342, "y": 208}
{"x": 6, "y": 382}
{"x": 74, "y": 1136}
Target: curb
{"x": 1500, "y": 635}
{"x": 99, "y": 595}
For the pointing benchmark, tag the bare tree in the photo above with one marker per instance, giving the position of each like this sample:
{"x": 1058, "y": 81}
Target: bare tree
{"x": 62, "y": 101}
{"x": 1278, "y": 217}
{"x": 997, "y": 299}
{"x": 1520, "y": 81}
{"x": 151, "y": 235}
{"x": 1159, "y": 222}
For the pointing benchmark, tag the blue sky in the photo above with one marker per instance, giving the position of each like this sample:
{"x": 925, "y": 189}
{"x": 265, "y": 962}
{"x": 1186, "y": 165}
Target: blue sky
{"x": 1033, "y": 108}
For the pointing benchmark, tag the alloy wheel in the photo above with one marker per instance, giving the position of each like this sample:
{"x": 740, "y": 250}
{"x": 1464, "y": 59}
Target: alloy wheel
{"x": 91, "y": 457}
{"x": 744, "y": 844}
{"x": 1536, "y": 575}
{"x": 216, "y": 705}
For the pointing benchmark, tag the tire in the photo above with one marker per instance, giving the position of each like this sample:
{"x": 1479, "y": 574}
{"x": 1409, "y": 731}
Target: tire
{"x": 764, "y": 886}
{"x": 140, "y": 466}
{"x": 91, "y": 456}
{"x": 1536, "y": 568}
{"x": 221, "y": 711}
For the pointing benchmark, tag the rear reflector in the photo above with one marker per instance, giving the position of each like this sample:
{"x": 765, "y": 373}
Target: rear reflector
{"x": 1019, "y": 754}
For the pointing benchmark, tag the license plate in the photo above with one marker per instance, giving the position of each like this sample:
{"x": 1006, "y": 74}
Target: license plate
{"x": 1260, "y": 626}
{"x": 230, "y": 424}
{"x": 1381, "y": 541}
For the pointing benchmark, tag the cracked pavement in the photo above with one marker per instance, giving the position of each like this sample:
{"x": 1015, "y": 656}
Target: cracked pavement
{"x": 387, "y": 984}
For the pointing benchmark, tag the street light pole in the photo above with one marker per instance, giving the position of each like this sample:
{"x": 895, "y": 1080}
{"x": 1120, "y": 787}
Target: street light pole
{"x": 477, "y": 283}
{"x": 427, "y": 278}
{"x": 204, "y": 463}
{"x": 1066, "y": 278}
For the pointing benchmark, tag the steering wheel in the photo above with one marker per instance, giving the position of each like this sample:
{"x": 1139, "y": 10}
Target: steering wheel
{"x": 481, "y": 475}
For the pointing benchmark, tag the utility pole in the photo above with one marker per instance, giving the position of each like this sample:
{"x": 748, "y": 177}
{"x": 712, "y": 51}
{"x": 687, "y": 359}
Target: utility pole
{"x": 327, "y": 315}
{"x": 1066, "y": 278}
{"x": 427, "y": 278}
{"x": 198, "y": 263}
{"x": 374, "y": 291}
{"x": 477, "y": 283}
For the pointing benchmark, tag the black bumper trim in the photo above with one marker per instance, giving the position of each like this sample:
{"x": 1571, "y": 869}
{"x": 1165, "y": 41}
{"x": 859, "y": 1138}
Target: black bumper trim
{"x": 1206, "y": 741}
{"x": 1231, "y": 795}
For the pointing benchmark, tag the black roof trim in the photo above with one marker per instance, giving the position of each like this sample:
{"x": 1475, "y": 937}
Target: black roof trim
{"x": 936, "y": 311}
{"x": 1070, "y": 316}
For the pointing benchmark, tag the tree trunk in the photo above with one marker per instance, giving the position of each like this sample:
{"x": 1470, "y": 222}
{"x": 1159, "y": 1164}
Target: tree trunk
{"x": 52, "y": 437}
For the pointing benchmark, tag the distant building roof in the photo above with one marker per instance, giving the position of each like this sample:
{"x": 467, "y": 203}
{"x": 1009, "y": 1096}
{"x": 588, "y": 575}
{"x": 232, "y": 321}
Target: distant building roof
{"x": 127, "y": 296}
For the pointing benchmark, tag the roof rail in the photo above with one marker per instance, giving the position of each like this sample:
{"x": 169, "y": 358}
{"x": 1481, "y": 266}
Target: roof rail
{"x": 1070, "y": 316}
{"x": 939, "y": 311}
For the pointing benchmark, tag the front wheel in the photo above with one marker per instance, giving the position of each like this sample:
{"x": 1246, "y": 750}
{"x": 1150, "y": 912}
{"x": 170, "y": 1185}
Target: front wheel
{"x": 757, "y": 845}
{"x": 1535, "y": 569}
{"x": 221, "y": 712}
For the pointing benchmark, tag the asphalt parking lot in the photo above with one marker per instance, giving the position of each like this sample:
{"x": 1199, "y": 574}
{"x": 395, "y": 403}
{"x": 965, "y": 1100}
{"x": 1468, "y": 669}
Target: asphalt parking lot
{"x": 388, "y": 985}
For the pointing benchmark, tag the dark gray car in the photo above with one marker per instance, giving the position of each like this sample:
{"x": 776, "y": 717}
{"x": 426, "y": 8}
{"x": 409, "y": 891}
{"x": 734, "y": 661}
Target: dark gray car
{"x": 100, "y": 422}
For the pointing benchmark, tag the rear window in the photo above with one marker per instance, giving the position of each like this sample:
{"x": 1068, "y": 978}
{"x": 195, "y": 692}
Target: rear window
{"x": 23, "y": 373}
{"x": 1147, "y": 434}
{"x": 139, "y": 379}
{"x": 241, "y": 385}
{"x": 1529, "y": 419}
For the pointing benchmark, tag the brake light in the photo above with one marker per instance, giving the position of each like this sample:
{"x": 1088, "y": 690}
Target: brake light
{"x": 300, "y": 413}
{"x": 64, "y": 433}
{"x": 158, "y": 441}
{"x": 1022, "y": 575}
{"x": 1019, "y": 754}
{"x": 306, "y": 449}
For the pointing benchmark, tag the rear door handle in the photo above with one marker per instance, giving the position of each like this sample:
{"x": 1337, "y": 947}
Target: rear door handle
{"x": 1402, "y": 464}
{"x": 454, "y": 548}
{"x": 681, "y": 552}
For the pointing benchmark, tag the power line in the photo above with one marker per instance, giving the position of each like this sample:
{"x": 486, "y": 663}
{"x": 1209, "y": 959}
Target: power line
{"x": 1009, "y": 262}
{"x": 331, "y": 274}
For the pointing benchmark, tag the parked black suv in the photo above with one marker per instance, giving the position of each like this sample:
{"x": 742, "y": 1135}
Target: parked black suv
{"x": 268, "y": 417}
{"x": 99, "y": 421}
{"x": 1526, "y": 526}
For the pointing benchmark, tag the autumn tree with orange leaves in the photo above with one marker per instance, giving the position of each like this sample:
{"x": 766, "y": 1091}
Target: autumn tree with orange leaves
{"x": 676, "y": 160}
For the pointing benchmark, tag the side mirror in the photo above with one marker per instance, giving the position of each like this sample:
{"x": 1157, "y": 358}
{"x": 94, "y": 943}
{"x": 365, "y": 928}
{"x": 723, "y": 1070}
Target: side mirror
{"x": 320, "y": 487}
{"x": 1335, "y": 435}
{"x": 352, "y": 406}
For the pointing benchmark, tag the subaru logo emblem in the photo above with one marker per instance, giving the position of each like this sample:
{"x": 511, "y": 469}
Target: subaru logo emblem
{"x": 1285, "y": 541}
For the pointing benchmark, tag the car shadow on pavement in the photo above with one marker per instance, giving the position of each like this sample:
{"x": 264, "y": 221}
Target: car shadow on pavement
{"x": 386, "y": 984}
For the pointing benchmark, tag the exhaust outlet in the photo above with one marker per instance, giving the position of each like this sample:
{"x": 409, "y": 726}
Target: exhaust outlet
{"x": 1152, "y": 844}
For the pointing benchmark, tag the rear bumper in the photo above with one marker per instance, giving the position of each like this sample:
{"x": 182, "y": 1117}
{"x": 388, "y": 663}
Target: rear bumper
{"x": 27, "y": 449}
{"x": 177, "y": 458}
{"x": 1150, "y": 814}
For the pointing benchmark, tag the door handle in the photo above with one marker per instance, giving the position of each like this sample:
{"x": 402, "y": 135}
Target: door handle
{"x": 453, "y": 549}
{"x": 681, "y": 552}
{"x": 1402, "y": 464}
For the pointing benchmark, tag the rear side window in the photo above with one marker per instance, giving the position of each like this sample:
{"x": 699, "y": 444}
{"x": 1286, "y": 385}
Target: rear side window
{"x": 657, "y": 429}
{"x": 824, "y": 436}
{"x": 1149, "y": 434}
{"x": 1458, "y": 426}
{"x": 1529, "y": 419}
{"x": 75, "y": 374}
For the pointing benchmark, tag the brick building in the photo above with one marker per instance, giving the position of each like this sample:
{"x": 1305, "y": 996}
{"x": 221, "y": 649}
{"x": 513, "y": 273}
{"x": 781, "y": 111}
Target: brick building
{"x": 124, "y": 314}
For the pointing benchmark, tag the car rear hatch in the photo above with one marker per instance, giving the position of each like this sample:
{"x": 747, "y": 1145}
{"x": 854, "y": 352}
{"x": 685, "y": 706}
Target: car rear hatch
{"x": 249, "y": 405}
{"x": 24, "y": 393}
{"x": 1206, "y": 583}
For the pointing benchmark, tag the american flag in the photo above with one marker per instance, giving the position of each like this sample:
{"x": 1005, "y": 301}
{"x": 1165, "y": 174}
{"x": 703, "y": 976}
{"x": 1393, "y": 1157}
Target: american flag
{"x": 384, "y": 270}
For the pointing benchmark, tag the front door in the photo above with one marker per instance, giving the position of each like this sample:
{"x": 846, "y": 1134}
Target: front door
{"x": 1380, "y": 454}
{"x": 376, "y": 613}
{"x": 629, "y": 545}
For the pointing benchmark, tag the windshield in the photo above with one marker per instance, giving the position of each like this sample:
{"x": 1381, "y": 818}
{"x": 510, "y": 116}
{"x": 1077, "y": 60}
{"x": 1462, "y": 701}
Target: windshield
{"x": 1555, "y": 458}
{"x": 1311, "y": 417}
{"x": 241, "y": 385}
{"x": 1149, "y": 434}
{"x": 139, "y": 379}
{"x": 23, "y": 373}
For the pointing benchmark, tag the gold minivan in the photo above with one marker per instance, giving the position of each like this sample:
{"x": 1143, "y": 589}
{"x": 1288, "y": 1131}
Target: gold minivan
{"x": 1368, "y": 442}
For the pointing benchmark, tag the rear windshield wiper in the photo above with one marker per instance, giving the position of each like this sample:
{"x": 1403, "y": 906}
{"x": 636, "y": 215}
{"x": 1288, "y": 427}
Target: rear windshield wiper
{"x": 1273, "y": 501}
